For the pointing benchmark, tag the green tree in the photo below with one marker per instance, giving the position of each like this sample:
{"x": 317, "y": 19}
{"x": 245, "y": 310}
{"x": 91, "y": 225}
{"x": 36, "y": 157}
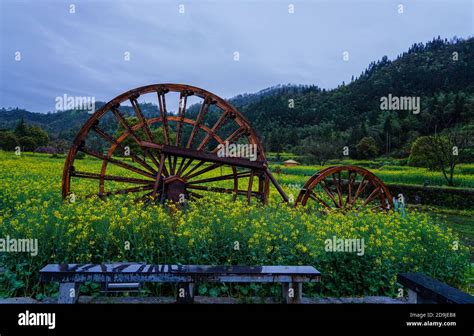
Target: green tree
{"x": 321, "y": 149}
{"x": 21, "y": 129}
{"x": 8, "y": 141}
{"x": 367, "y": 148}
{"x": 28, "y": 143}
{"x": 37, "y": 133}
{"x": 421, "y": 154}
{"x": 30, "y": 135}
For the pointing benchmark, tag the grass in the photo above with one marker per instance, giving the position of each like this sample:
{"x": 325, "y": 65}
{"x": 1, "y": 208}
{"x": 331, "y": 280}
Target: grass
{"x": 461, "y": 221}
{"x": 463, "y": 177}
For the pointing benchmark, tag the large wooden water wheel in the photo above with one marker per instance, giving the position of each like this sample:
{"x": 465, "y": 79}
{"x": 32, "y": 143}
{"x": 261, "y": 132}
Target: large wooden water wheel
{"x": 162, "y": 153}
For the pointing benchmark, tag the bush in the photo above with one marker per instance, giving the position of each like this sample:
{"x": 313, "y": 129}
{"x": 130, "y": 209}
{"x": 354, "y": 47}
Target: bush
{"x": 46, "y": 149}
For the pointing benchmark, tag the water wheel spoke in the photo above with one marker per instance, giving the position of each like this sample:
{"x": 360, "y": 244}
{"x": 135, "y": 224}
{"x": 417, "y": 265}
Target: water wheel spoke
{"x": 111, "y": 140}
{"x": 221, "y": 178}
{"x": 214, "y": 129}
{"x": 199, "y": 119}
{"x": 233, "y": 137}
{"x": 350, "y": 183}
{"x": 195, "y": 195}
{"x": 329, "y": 192}
{"x": 159, "y": 176}
{"x": 126, "y": 191}
{"x": 318, "y": 199}
{"x": 219, "y": 189}
{"x": 372, "y": 195}
{"x": 141, "y": 118}
{"x": 270, "y": 176}
{"x": 170, "y": 164}
{"x": 181, "y": 168}
{"x": 249, "y": 190}
{"x": 132, "y": 133}
{"x": 202, "y": 171}
{"x": 337, "y": 183}
{"x": 196, "y": 166}
{"x": 96, "y": 176}
{"x": 173, "y": 167}
{"x": 115, "y": 162}
{"x": 360, "y": 189}
{"x": 164, "y": 116}
{"x": 183, "y": 98}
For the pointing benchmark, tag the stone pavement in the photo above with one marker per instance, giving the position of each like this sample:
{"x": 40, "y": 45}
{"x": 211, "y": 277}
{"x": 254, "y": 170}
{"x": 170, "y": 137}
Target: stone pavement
{"x": 208, "y": 300}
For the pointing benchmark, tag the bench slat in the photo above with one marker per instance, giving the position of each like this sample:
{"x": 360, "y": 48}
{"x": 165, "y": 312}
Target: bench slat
{"x": 135, "y": 272}
{"x": 197, "y": 269}
{"x": 189, "y": 269}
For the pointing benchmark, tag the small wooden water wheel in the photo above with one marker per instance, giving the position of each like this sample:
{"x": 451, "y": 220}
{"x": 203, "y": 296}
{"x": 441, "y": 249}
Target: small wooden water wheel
{"x": 345, "y": 187}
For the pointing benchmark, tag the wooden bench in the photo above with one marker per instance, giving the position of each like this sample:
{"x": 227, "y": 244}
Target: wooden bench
{"x": 70, "y": 276}
{"x": 423, "y": 289}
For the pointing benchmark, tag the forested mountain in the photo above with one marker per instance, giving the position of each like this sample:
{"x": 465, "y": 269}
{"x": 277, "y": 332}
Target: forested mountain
{"x": 441, "y": 73}
{"x": 306, "y": 118}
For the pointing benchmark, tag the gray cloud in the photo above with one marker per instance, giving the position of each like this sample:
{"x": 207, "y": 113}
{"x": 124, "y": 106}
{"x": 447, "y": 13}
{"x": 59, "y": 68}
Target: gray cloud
{"x": 83, "y": 53}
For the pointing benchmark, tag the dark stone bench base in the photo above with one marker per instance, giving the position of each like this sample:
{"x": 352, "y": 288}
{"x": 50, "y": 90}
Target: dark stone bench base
{"x": 423, "y": 289}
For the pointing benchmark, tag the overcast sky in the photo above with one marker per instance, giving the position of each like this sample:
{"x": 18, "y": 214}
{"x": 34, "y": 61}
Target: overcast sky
{"x": 83, "y": 53}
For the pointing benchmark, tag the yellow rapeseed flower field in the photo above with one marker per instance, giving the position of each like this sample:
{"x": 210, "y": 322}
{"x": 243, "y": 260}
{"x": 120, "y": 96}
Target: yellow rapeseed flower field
{"x": 212, "y": 230}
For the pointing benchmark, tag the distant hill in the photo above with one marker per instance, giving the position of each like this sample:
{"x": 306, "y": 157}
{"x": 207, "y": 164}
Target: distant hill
{"x": 439, "y": 72}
